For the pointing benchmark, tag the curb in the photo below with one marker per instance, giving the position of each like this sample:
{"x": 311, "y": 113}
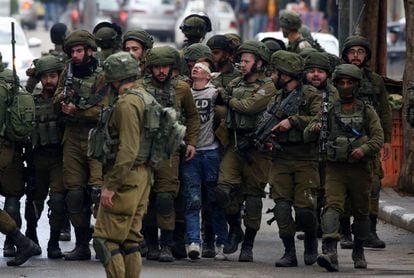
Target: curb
{"x": 396, "y": 210}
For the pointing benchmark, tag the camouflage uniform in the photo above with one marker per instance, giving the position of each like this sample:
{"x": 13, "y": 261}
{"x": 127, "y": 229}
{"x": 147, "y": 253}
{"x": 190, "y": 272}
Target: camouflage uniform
{"x": 82, "y": 176}
{"x": 290, "y": 22}
{"x": 177, "y": 94}
{"x": 243, "y": 170}
{"x": 355, "y": 136}
{"x": 294, "y": 178}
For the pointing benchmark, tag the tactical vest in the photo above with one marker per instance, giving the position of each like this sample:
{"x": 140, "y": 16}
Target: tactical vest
{"x": 241, "y": 122}
{"x": 293, "y": 135}
{"x": 85, "y": 90}
{"x": 348, "y": 132}
{"x": 46, "y": 127}
{"x": 159, "y": 139}
{"x": 367, "y": 92}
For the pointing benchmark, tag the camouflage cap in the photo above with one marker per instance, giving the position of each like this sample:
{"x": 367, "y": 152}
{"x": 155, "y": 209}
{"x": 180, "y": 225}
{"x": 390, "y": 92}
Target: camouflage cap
{"x": 290, "y": 20}
{"x": 79, "y": 37}
{"x": 120, "y": 66}
{"x": 139, "y": 35}
{"x": 287, "y": 62}
{"x": 347, "y": 71}
{"x": 161, "y": 56}
{"x": 318, "y": 60}
{"x": 197, "y": 51}
{"x": 274, "y": 44}
{"x": 196, "y": 25}
{"x": 48, "y": 64}
{"x": 234, "y": 39}
{"x": 257, "y": 48}
{"x": 58, "y": 32}
{"x": 356, "y": 41}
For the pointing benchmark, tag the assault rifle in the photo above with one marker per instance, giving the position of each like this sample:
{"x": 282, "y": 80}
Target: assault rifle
{"x": 323, "y": 135}
{"x": 67, "y": 90}
{"x": 13, "y": 43}
{"x": 274, "y": 115}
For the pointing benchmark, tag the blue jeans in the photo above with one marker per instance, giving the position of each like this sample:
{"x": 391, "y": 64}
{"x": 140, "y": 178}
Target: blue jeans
{"x": 202, "y": 170}
{"x": 51, "y": 13}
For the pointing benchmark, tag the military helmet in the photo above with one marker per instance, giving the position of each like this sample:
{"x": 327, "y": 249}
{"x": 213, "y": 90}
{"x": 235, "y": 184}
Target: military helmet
{"x": 274, "y": 44}
{"x": 197, "y": 51}
{"x": 7, "y": 76}
{"x": 234, "y": 40}
{"x": 356, "y": 41}
{"x": 48, "y": 64}
{"x": 287, "y": 62}
{"x": 255, "y": 47}
{"x": 290, "y": 20}
{"x": 79, "y": 37}
{"x": 318, "y": 60}
{"x": 58, "y": 32}
{"x": 220, "y": 42}
{"x": 139, "y": 35}
{"x": 106, "y": 31}
{"x": 161, "y": 56}
{"x": 305, "y": 31}
{"x": 347, "y": 71}
{"x": 305, "y": 52}
{"x": 120, "y": 66}
{"x": 196, "y": 25}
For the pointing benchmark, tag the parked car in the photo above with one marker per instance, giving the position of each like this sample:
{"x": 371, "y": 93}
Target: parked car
{"x": 327, "y": 41}
{"x": 28, "y": 14}
{"x": 24, "y": 56}
{"x": 221, "y": 14}
{"x": 396, "y": 49}
{"x": 86, "y": 14}
{"x": 157, "y": 17}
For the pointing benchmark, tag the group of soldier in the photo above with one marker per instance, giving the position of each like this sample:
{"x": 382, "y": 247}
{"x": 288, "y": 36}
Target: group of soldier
{"x": 306, "y": 122}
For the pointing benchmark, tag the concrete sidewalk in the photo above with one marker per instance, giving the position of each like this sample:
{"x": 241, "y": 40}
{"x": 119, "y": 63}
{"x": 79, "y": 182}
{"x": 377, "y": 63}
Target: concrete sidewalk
{"x": 397, "y": 210}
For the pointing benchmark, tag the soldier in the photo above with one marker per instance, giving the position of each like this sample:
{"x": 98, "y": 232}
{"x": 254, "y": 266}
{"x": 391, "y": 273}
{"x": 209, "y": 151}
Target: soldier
{"x": 169, "y": 92}
{"x": 294, "y": 175}
{"x": 317, "y": 73}
{"x": 355, "y": 136}
{"x": 243, "y": 170}
{"x": 195, "y": 27}
{"x": 290, "y": 22}
{"x": 274, "y": 44}
{"x": 12, "y": 179}
{"x": 357, "y": 51}
{"x": 46, "y": 158}
{"x": 195, "y": 52}
{"x": 81, "y": 97}
{"x": 138, "y": 42}
{"x": 126, "y": 185}
{"x": 108, "y": 37}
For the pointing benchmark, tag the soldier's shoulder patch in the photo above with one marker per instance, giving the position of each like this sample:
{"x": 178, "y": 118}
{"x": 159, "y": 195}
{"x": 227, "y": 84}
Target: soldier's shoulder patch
{"x": 261, "y": 92}
{"x": 304, "y": 44}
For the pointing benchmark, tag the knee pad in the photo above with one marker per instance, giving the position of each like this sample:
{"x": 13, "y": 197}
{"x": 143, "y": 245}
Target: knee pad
{"x": 222, "y": 196}
{"x": 283, "y": 212}
{"x": 12, "y": 207}
{"x": 306, "y": 219}
{"x": 165, "y": 203}
{"x": 75, "y": 200}
{"x": 254, "y": 206}
{"x": 130, "y": 248}
{"x": 104, "y": 253}
{"x": 57, "y": 211}
{"x": 361, "y": 228}
{"x": 330, "y": 221}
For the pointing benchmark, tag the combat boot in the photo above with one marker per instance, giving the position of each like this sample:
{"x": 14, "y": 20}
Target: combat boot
{"x": 346, "y": 236}
{"x": 178, "y": 248}
{"x": 53, "y": 249}
{"x": 246, "y": 252}
{"x": 208, "y": 250}
{"x": 65, "y": 233}
{"x": 358, "y": 254}
{"x": 151, "y": 239}
{"x": 373, "y": 240}
{"x": 235, "y": 236}
{"x": 26, "y": 248}
{"x": 311, "y": 248}
{"x": 153, "y": 253}
{"x": 9, "y": 250}
{"x": 166, "y": 242}
{"x": 81, "y": 252}
{"x": 32, "y": 234}
{"x": 329, "y": 257}
{"x": 289, "y": 257}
